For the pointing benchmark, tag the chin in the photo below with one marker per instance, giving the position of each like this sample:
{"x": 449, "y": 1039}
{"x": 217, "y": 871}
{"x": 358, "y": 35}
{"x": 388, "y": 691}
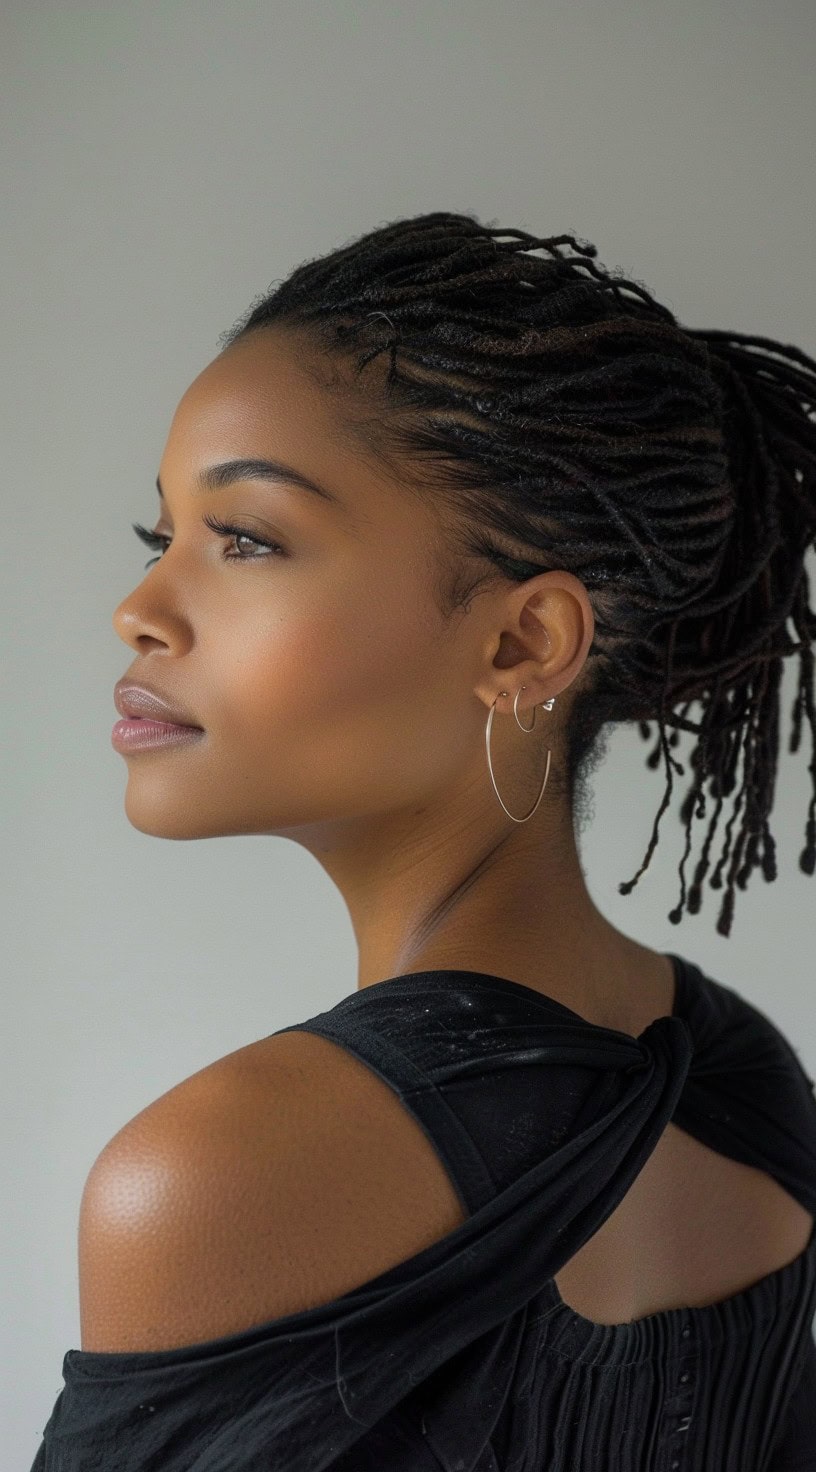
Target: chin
{"x": 165, "y": 819}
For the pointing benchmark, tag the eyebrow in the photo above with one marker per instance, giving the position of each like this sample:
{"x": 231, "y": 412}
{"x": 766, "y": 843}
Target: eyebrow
{"x": 215, "y": 477}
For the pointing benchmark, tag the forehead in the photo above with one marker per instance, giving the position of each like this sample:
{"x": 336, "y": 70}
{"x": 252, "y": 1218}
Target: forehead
{"x": 274, "y": 395}
{"x": 264, "y": 387}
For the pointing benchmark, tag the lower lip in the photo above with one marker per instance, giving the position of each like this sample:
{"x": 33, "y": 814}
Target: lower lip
{"x": 134, "y": 735}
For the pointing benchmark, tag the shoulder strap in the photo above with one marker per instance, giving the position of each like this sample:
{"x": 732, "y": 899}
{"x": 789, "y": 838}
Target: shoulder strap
{"x": 632, "y": 1084}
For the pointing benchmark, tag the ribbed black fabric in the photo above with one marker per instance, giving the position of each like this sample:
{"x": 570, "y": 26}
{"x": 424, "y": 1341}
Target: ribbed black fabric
{"x": 464, "y": 1358}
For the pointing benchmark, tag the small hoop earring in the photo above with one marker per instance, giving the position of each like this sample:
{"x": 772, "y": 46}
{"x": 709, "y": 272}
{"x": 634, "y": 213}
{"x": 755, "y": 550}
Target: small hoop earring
{"x": 516, "y": 714}
{"x": 546, "y": 705}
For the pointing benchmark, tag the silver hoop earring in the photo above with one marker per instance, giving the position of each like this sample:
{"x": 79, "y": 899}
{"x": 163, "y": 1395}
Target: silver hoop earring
{"x": 546, "y": 705}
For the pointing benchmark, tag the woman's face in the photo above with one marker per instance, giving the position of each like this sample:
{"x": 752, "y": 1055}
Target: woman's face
{"x": 328, "y": 685}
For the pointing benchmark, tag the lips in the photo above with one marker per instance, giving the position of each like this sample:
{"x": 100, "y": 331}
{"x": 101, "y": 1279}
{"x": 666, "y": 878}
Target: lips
{"x": 141, "y": 702}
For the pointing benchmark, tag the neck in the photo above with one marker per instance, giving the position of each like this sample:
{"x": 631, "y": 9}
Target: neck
{"x": 510, "y": 900}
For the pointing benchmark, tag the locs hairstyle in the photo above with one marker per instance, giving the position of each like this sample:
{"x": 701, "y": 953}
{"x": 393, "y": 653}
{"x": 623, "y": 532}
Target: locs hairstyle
{"x": 568, "y": 420}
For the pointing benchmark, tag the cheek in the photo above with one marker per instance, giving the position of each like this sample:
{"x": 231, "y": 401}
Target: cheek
{"x": 337, "y": 655}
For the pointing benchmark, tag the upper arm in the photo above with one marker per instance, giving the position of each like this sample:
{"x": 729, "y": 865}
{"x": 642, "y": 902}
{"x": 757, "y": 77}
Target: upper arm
{"x": 277, "y": 1179}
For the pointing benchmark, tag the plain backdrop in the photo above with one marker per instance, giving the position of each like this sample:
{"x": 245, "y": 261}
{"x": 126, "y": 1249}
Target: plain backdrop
{"x": 162, "y": 165}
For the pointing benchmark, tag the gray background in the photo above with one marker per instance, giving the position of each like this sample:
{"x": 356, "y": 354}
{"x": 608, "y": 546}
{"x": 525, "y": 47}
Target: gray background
{"x": 163, "y": 163}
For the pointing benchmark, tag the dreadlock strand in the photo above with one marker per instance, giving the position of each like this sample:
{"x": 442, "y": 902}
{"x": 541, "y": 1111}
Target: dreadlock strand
{"x": 807, "y": 858}
{"x": 628, "y": 885}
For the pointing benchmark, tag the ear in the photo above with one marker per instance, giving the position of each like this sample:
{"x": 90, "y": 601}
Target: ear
{"x": 545, "y": 631}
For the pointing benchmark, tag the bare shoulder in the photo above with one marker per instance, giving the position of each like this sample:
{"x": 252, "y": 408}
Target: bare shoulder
{"x": 273, "y": 1180}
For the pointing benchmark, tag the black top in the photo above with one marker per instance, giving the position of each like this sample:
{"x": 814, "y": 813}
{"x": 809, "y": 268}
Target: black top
{"x": 464, "y": 1358}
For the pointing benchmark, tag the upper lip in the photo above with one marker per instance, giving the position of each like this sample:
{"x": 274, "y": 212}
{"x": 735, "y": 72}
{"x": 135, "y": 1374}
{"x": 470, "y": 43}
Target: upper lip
{"x": 142, "y": 700}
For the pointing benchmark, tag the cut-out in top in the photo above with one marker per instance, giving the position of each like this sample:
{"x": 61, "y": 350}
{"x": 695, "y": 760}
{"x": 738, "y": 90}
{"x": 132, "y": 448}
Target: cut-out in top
{"x": 464, "y": 1357}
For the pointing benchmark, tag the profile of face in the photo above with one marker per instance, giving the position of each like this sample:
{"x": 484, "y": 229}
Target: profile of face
{"x": 332, "y": 692}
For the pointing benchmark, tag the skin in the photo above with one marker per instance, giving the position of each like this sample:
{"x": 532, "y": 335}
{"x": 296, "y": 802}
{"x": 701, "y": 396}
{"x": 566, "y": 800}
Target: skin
{"x": 343, "y": 711}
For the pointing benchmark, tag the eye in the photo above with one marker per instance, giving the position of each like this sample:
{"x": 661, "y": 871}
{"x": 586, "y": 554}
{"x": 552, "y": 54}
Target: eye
{"x": 159, "y": 542}
{"x": 151, "y": 539}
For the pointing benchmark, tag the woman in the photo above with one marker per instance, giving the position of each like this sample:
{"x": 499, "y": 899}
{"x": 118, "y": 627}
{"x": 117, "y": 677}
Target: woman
{"x": 535, "y": 1195}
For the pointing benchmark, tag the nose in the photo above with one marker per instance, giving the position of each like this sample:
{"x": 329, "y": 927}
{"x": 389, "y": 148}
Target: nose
{"x": 144, "y": 625}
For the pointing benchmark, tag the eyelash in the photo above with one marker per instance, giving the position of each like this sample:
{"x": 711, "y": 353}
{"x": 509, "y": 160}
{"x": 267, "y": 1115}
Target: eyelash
{"x": 160, "y": 543}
